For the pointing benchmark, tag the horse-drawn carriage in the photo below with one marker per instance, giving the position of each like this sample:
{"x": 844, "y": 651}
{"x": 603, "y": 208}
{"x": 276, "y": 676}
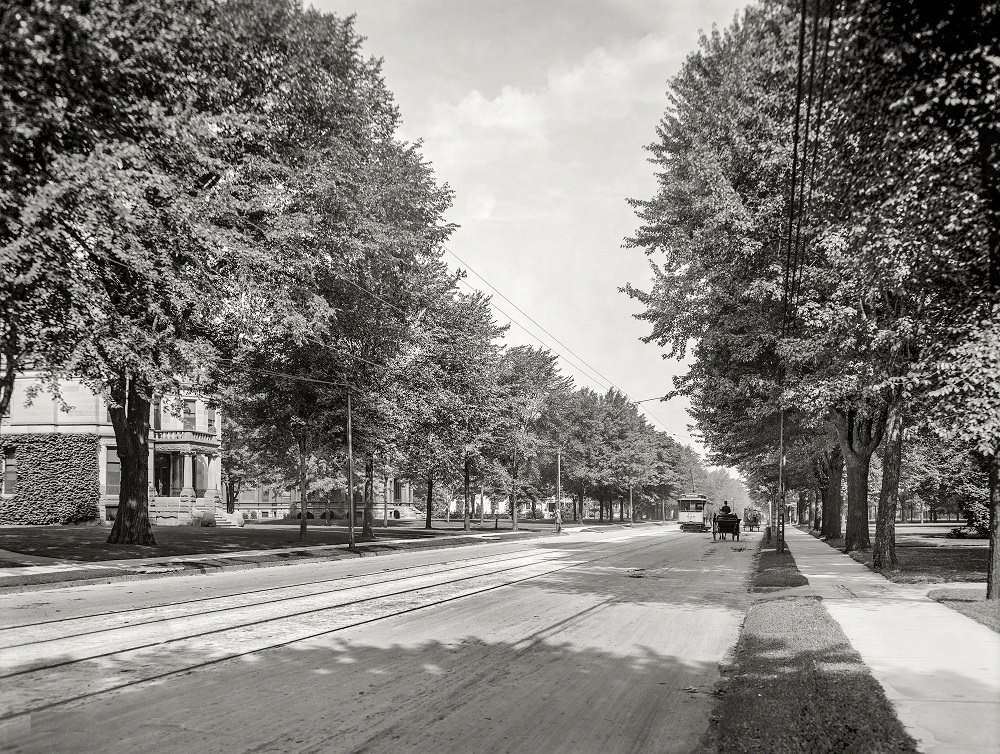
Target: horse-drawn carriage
{"x": 726, "y": 523}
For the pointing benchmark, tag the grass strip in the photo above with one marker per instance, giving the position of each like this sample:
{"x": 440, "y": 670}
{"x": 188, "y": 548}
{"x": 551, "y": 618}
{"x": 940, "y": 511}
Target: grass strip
{"x": 925, "y": 560}
{"x": 970, "y": 604}
{"x": 795, "y": 684}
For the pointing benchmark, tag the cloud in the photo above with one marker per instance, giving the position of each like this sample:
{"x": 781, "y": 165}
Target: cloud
{"x": 511, "y": 110}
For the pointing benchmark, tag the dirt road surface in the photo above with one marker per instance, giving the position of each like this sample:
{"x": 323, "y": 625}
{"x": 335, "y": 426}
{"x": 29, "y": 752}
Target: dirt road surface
{"x": 595, "y": 641}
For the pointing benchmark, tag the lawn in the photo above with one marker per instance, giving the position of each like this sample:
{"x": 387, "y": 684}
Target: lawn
{"x": 970, "y": 603}
{"x": 928, "y": 557}
{"x": 87, "y": 543}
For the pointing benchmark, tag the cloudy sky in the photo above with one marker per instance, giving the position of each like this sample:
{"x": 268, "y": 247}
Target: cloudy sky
{"x": 536, "y": 113}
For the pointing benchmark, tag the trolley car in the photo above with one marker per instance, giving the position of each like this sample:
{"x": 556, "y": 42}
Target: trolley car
{"x": 694, "y": 513}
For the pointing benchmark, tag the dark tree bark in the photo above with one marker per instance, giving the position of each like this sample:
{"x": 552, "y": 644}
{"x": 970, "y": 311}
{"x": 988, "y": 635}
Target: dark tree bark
{"x": 233, "y": 489}
{"x": 859, "y": 436}
{"x": 430, "y": 500}
{"x": 513, "y": 498}
{"x": 884, "y": 551}
{"x": 10, "y": 358}
{"x": 303, "y": 441}
{"x": 368, "y": 519}
{"x": 600, "y": 508}
{"x": 993, "y": 565}
{"x": 465, "y": 510}
{"x": 385, "y": 500}
{"x": 834, "y": 501}
{"x": 130, "y": 419}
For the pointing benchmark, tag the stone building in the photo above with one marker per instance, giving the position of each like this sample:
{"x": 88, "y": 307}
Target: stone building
{"x": 60, "y": 463}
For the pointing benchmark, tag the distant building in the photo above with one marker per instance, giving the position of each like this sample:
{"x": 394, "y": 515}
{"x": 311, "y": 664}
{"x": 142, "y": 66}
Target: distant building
{"x": 62, "y": 466}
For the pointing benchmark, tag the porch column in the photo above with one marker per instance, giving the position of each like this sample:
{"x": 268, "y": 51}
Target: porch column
{"x": 187, "y": 499}
{"x": 213, "y": 482}
{"x": 188, "y": 489}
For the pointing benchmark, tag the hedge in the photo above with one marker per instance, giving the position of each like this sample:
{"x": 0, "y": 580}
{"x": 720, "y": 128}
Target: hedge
{"x": 58, "y": 480}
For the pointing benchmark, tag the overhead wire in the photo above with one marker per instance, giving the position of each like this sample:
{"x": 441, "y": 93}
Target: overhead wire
{"x": 602, "y": 381}
{"x": 529, "y": 317}
{"x": 797, "y": 247}
{"x": 831, "y": 6}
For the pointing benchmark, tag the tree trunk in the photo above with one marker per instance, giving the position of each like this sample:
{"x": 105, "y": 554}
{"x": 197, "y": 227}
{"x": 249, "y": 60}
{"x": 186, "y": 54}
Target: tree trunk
{"x": 368, "y": 520}
{"x": 232, "y": 492}
{"x": 385, "y": 501}
{"x": 578, "y": 508}
{"x": 801, "y": 507}
{"x": 130, "y": 419}
{"x": 513, "y": 499}
{"x": 857, "y": 537}
{"x": 465, "y": 513}
{"x": 600, "y": 508}
{"x": 833, "y": 502}
{"x": 817, "y": 510}
{"x": 430, "y": 499}
{"x": 993, "y": 566}
{"x": 884, "y": 552}
{"x": 303, "y": 485}
{"x": 859, "y": 436}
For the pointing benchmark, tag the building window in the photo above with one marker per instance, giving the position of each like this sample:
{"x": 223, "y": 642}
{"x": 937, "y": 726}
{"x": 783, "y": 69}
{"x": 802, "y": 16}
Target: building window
{"x": 397, "y": 490}
{"x": 112, "y": 473}
{"x": 9, "y": 471}
{"x": 188, "y": 417}
{"x": 157, "y": 415}
{"x": 211, "y": 421}
{"x": 263, "y": 514}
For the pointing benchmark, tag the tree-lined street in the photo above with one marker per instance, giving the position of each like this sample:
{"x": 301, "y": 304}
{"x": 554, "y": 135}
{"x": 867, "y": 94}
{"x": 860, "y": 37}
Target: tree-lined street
{"x": 599, "y": 634}
{"x": 239, "y": 330}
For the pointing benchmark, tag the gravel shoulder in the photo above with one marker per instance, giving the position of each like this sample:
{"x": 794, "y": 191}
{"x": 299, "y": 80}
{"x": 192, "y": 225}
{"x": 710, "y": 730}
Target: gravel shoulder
{"x": 794, "y": 683}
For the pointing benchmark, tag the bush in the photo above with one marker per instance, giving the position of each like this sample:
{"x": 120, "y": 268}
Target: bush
{"x": 977, "y": 516}
{"x": 967, "y": 532}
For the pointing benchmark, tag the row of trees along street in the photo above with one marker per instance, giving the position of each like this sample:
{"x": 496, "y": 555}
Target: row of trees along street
{"x": 213, "y": 196}
{"x": 826, "y": 232}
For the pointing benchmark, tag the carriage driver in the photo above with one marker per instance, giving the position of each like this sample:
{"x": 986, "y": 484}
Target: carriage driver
{"x": 725, "y": 510}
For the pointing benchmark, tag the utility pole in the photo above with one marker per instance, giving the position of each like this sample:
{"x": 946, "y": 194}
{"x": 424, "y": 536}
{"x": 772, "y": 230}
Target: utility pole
{"x": 350, "y": 478}
{"x": 558, "y": 490}
{"x": 780, "y": 507}
{"x": 631, "y": 512}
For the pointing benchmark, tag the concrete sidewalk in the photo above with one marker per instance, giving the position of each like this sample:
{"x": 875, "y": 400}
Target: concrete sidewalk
{"x": 939, "y": 668}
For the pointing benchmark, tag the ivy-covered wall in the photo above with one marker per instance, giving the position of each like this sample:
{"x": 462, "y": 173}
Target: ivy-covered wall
{"x": 58, "y": 480}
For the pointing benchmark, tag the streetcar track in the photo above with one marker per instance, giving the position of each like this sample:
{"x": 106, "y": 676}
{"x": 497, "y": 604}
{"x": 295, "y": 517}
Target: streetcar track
{"x": 283, "y": 643}
{"x": 257, "y": 622}
{"x": 234, "y": 626}
{"x": 264, "y": 603}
